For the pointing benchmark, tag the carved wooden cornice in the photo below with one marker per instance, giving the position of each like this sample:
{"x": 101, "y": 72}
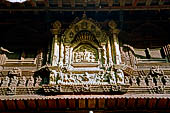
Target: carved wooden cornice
{"x": 72, "y": 5}
{"x": 85, "y": 24}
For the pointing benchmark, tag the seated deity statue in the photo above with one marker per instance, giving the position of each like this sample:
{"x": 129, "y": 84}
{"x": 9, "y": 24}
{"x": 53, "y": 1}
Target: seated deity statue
{"x": 96, "y": 78}
{"x": 65, "y": 78}
{"x": 68, "y": 78}
{"x": 55, "y": 60}
{"x": 77, "y": 57}
{"x": 22, "y": 82}
{"x": 78, "y": 78}
{"x": 38, "y": 81}
{"x": 71, "y": 78}
{"x": 85, "y": 77}
{"x": 30, "y": 82}
{"x": 155, "y": 71}
{"x": 127, "y": 81}
{"x": 5, "y": 82}
{"x": 59, "y": 78}
{"x": 15, "y": 72}
{"x": 14, "y": 81}
{"x": 84, "y": 54}
{"x": 112, "y": 78}
{"x": 92, "y": 57}
{"x": 120, "y": 76}
{"x": 53, "y": 77}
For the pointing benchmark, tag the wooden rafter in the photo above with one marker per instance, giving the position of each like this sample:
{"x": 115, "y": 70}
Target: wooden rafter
{"x": 8, "y": 4}
{"x": 46, "y": 2}
{"x": 110, "y": 3}
{"x": 122, "y": 2}
{"x": 97, "y": 3}
{"x": 3, "y": 1}
{"x": 113, "y": 8}
{"x": 72, "y": 3}
{"x": 148, "y": 2}
{"x": 161, "y": 2}
{"x": 33, "y": 3}
{"x": 135, "y": 2}
{"x": 60, "y": 3}
{"x": 85, "y": 3}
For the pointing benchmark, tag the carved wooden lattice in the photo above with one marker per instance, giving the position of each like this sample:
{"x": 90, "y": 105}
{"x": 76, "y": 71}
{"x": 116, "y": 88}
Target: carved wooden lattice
{"x": 167, "y": 51}
{"x": 3, "y": 59}
{"x": 128, "y": 56}
{"x": 39, "y": 58}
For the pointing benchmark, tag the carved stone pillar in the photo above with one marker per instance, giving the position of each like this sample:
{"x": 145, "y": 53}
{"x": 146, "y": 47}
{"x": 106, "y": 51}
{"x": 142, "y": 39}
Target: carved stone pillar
{"x": 110, "y": 54}
{"x": 67, "y": 55}
{"x": 116, "y": 46}
{"x": 115, "y": 32}
{"x": 71, "y": 55}
{"x": 55, "y": 54}
{"x": 104, "y": 54}
{"x": 55, "y": 59}
{"x": 100, "y": 57}
{"x": 39, "y": 58}
{"x": 61, "y": 54}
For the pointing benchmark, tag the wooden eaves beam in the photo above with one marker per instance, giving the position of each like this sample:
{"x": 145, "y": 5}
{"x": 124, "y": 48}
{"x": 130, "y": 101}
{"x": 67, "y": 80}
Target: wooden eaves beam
{"x": 134, "y": 3}
{"x": 8, "y": 4}
{"x": 33, "y": 3}
{"x": 97, "y": 3}
{"x": 161, "y": 2}
{"x": 110, "y": 3}
{"x": 72, "y": 3}
{"x": 60, "y": 3}
{"x": 122, "y": 2}
{"x": 84, "y": 3}
{"x": 113, "y": 8}
{"x": 148, "y": 2}
{"x": 46, "y": 2}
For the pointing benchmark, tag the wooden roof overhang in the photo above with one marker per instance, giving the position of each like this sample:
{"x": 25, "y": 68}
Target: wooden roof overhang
{"x": 85, "y": 103}
{"x": 84, "y": 5}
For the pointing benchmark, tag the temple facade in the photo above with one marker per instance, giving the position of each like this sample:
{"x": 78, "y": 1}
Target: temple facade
{"x": 85, "y": 56}
{"x": 86, "y": 53}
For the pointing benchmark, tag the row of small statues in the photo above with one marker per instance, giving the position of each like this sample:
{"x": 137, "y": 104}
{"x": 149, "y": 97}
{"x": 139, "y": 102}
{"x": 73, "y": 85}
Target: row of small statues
{"x": 147, "y": 80}
{"x": 84, "y": 56}
{"x": 82, "y": 78}
{"x": 20, "y": 82}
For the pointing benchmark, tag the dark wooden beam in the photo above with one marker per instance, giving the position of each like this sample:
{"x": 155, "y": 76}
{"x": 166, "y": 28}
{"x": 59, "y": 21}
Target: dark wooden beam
{"x": 161, "y": 2}
{"x": 134, "y": 3}
{"x": 148, "y": 2}
{"x": 85, "y": 3}
{"x": 122, "y": 2}
{"x": 97, "y": 3}
{"x": 8, "y": 4}
{"x": 46, "y": 2}
{"x": 113, "y": 8}
{"x": 110, "y": 3}
{"x": 3, "y": 1}
{"x": 22, "y": 5}
{"x": 33, "y": 3}
{"x": 72, "y": 3}
{"x": 60, "y": 3}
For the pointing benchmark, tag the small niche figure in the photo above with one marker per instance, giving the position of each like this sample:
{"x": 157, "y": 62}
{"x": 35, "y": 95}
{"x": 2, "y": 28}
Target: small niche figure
{"x": 155, "y": 71}
{"x": 5, "y": 82}
{"x": 22, "y": 82}
{"x": 38, "y": 81}
{"x": 30, "y": 82}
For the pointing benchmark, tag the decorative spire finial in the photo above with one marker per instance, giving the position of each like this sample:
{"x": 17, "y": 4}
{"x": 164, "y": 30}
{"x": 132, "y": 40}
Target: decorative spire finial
{"x": 112, "y": 24}
{"x": 84, "y": 15}
{"x": 5, "y": 50}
